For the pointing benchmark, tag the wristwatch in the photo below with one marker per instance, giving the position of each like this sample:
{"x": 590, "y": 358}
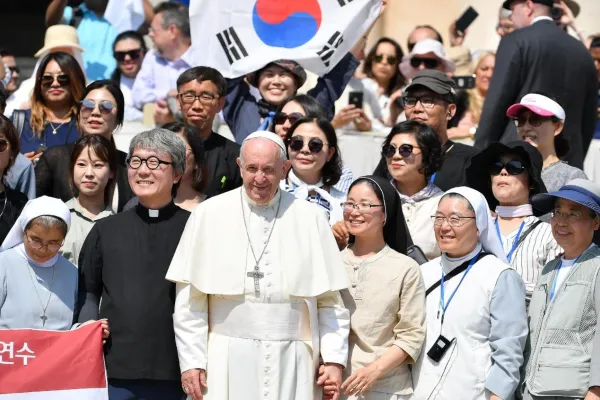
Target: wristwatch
{"x": 473, "y": 131}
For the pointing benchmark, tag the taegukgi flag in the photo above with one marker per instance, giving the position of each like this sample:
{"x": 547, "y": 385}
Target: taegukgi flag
{"x": 237, "y": 37}
{"x": 52, "y": 365}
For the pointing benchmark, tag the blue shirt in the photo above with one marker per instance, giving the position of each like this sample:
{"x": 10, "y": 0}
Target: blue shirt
{"x": 65, "y": 133}
{"x": 96, "y": 37}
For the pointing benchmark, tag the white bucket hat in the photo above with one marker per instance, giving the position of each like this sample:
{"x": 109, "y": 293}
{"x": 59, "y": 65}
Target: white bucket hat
{"x": 423, "y": 47}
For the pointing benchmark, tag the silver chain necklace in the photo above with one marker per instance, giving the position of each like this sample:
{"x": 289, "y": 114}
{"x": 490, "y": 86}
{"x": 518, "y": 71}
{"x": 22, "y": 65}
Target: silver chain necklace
{"x": 256, "y": 274}
{"x": 53, "y": 128}
{"x": 43, "y": 317}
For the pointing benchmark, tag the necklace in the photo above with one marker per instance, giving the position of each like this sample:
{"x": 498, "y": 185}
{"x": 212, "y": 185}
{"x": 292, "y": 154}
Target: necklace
{"x": 55, "y": 128}
{"x": 256, "y": 274}
{"x": 43, "y": 317}
{"x": 4, "y": 206}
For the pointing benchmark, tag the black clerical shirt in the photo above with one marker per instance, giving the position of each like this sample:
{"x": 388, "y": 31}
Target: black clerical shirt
{"x": 124, "y": 261}
{"x": 223, "y": 171}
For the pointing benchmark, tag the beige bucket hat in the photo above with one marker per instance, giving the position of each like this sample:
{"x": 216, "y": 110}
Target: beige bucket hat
{"x": 59, "y": 36}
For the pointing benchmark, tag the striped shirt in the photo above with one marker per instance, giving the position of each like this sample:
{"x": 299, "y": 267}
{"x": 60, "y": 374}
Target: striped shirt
{"x": 537, "y": 249}
{"x": 345, "y": 180}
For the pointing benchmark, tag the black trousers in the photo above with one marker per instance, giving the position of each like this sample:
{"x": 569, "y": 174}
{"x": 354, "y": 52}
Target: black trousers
{"x": 144, "y": 389}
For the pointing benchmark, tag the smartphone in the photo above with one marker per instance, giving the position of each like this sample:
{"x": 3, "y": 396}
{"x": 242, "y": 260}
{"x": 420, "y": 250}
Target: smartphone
{"x": 41, "y": 148}
{"x": 356, "y": 98}
{"x": 464, "y": 82}
{"x": 465, "y": 20}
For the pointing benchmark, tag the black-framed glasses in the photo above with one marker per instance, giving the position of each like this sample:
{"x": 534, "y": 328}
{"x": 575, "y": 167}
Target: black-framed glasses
{"x": 363, "y": 208}
{"x": 88, "y": 105}
{"x": 62, "y": 79}
{"x": 390, "y": 59}
{"x": 430, "y": 63}
{"x": 3, "y": 145}
{"x": 134, "y": 54}
{"x": 411, "y": 101}
{"x": 405, "y": 150}
{"x": 534, "y": 120}
{"x": 315, "y": 145}
{"x": 455, "y": 221}
{"x": 280, "y": 118}
{"x": 151, "y": 162}
{"x": 15, "y": 69}
{"x": 513, "y": 167}
{"x": 38, "y": 245}
{"x": 205, "y": 98}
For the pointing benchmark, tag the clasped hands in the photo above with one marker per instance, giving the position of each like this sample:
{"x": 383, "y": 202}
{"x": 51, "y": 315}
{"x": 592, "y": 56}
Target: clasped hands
{"x": 357, "y": 384}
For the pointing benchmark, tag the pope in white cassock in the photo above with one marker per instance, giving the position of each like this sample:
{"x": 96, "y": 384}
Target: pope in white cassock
{"x": 258, "y": 275}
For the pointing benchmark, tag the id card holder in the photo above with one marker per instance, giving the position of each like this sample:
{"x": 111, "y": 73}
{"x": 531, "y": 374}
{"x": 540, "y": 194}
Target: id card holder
{"x": 439, "y": 348}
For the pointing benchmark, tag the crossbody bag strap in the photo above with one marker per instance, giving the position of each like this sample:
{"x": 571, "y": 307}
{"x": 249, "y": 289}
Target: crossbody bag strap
{"x": 19, "y": 120}
{"x": 454, "y": 272}
{"x": 527, "y": 232}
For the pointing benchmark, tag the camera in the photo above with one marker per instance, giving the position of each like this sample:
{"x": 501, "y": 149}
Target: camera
{"x": 556, "y": 13}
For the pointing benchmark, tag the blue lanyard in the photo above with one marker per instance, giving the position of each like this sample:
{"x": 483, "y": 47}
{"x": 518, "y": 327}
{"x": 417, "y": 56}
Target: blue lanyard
{"x": 432, "y": 178}
{"x": 515, "y": 242}
{"x": 442, "y": 290}
{"x": 553, "y": 290}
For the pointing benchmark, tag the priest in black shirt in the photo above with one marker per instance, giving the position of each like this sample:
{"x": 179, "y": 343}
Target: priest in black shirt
{"x": 200, "y": 92}
{"x": 430, "y": 99}
{"x": 124, "y": 261}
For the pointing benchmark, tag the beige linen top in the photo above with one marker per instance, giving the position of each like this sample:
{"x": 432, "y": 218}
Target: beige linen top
{"x": 387, "y": 306}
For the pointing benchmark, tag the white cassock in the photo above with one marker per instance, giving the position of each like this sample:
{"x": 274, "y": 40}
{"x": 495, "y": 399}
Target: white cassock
{"x": 266, "y": 344}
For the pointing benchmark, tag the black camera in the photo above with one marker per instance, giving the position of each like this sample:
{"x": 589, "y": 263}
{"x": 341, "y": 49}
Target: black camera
{"x": 556, "y": 13}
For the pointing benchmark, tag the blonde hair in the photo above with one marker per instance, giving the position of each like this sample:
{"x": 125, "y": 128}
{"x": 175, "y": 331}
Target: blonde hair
{"x": 475, "y": 98}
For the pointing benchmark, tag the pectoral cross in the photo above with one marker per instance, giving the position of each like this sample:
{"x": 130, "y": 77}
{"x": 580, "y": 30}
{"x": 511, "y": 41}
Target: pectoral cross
{"x": 43, "y": 318}
{"x": 257, "y": 275}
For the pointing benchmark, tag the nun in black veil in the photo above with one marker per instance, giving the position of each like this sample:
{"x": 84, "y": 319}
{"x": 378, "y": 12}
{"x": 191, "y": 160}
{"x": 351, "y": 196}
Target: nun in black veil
{"x": 387, "y": 296}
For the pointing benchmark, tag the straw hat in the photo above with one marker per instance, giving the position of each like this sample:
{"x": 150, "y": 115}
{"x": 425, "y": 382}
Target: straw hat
{"x": 59, "y": 36}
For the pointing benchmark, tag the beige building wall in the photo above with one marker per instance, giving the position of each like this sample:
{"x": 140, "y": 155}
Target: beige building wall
{"x": 403, "y": 15}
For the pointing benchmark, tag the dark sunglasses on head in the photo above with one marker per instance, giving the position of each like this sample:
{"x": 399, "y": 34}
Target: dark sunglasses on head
{"x": 513, "y": 167}
{"x": 280, "y": 118}
{"x": 390, "y": 59}
{"x": 534, "y": 120}
{"x": 15, "y": 69}
{"x": 430, "y": 63}
{"x": 62, "y": 79}
{"x": 405, "y": 150}
{"x": 105, "y": 106}
{"x": 134, "y": 54}
{"x": 315, "y": 145}
{"x": 3, "y": 145}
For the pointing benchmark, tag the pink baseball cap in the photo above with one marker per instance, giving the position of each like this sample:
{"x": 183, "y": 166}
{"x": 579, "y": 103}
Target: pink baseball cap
{"x": 539, "y": 104}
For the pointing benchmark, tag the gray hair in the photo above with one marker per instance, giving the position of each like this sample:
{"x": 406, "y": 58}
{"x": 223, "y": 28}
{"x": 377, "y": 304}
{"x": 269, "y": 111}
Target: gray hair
{"x": 49, "y": 222}
{"x": 163, "y": 142}
{"x": 282, "y": 153}
{"x": 179, "y": 17}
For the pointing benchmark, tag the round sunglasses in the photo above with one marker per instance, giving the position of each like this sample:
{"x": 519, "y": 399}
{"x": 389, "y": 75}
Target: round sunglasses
{"x": 405, "y": 150}
{"x": 3, "y": 145}
{"x": 429, "y": 63}
{"x": 315, "y": 145}
{"x": 513, "y": 167}
{"x": 87, "y": 106}
{"x": 62, "y": 79}
{"x": 280, "y": 118}
{"x": 390, "y": 59}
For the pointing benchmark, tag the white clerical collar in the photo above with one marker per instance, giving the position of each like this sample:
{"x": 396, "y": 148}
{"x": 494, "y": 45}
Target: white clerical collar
{"x": 541, "y": 18}
{"x": 448, "y": 264}
{"x": 50, "y": 263}
{"x": 524, "y": 210}
{"x": 252, "y": 203}
{"x": 153, "y": 213}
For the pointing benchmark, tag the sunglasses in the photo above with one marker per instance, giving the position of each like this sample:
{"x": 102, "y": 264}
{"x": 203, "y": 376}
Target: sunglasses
{"x": 405, "y": 150}
{"x": 390, "y": 59}
{"x": 315, "y": 145}
{"x": 3, "y": 145}
{"x": 62, "y": 79}
{"x": 87, "y": 106}
{"x": 429, "y": 63}
{"x": 133, "y": 54}
{"x": 534, "y": 120}
{"x": 15, "y": 69}
{"x": 513, "y": 167}
{"x": 280, "y": 118}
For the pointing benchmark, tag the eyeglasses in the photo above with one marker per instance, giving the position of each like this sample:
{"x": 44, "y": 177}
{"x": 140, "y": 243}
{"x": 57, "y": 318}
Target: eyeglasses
{"x": 430, "y": 63}
{"x": 363, "y": 208}
{"x": 280, "y": 118}
{"x": 405, "y": 150}
{"x": 3, "y": 145}
{"x": 454, "y": 221}
{"x": 15, "y": 69}
{"x": 570, "y": 217}
{"x": 506, "y": 28}
{"x": 152, "y": 162}
{"x": 37, "y": 245}
{"x": 315, "y": 145}
{"x": 534, "y": 120}
{"x": 87, "y": 106}
{"x": 62, "y": 79}
{"x": 390, "y": 59}
{"x": 411, "y": 101}
{"x": 512, "y": 167}
{"x": 133, "y": 54}
{"x": 205, "y": 98}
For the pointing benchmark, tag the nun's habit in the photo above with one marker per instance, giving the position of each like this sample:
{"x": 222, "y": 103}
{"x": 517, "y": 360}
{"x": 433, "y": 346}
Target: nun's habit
{"x": 485, "y": 321}
{"x": 33, "y": 295}
{"x": 386, "y": 301}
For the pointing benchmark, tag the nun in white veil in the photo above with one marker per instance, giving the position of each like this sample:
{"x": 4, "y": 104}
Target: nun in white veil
{"x": 475, "y": 306}
{"x": 38, "y": 287}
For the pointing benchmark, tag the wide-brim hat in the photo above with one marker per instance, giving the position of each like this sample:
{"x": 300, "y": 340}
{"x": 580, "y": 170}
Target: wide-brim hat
{"x": 426, "y": 46}
{"x": 289, "y": 65}
{"x": 572, "y": 4}
{"x": 478, "y": 176}
{"x": 580, "y": 191}
{"x": 59, "y": 36}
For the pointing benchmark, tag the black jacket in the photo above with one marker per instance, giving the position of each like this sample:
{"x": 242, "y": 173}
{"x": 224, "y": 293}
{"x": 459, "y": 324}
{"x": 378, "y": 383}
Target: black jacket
{"x": 542, "y": 58}
{"x": 52, "y": 175}
{"x": 224, "y": 173}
